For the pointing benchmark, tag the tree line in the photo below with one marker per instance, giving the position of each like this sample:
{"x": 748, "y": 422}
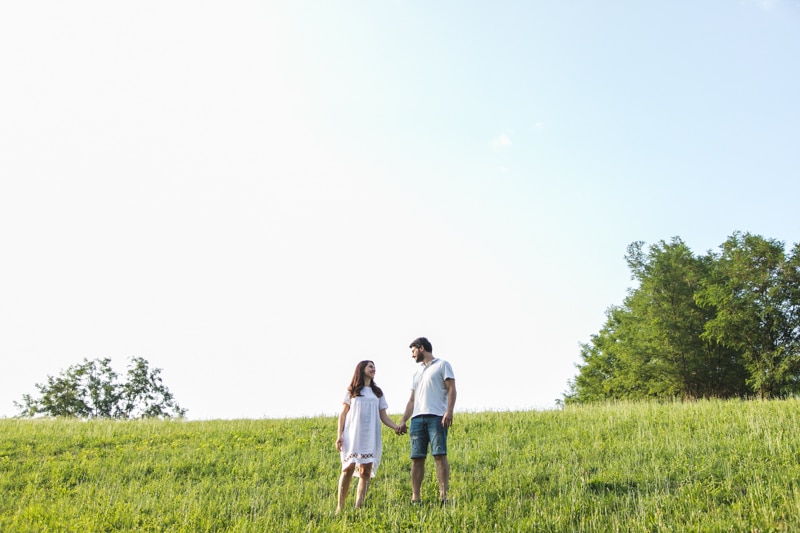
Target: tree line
{"x": 92, "y": 389}
{"x": 722, "y": 324}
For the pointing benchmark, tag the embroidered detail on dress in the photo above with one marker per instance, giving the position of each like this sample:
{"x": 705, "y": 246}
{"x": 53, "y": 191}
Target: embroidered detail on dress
{"x": 360, "y": 456}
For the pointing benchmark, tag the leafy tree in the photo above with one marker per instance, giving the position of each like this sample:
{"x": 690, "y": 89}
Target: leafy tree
{"x": 672, "y": 321}
{"x": 754, "y": 289}
{"x": 144, "y": 394}
{"x": 791, "y": 277}
{"x": 610, "y": 368}
{"x": 91, "y": 390}
{"x": 653, "y": 344}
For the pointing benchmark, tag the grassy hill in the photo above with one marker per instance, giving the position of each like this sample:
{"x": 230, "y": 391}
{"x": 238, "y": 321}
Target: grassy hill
{"x": 705, "y": 466}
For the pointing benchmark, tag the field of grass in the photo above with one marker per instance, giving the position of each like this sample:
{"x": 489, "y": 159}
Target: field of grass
{"x": 704, "y": 466}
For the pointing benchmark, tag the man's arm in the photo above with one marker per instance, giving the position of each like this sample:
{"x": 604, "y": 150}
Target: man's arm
{"x": 450, "y": 385}
{"x": 401, "y": 427}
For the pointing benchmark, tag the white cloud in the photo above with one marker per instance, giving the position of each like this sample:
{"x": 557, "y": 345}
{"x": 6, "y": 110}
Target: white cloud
{"x": 501, "y": 141}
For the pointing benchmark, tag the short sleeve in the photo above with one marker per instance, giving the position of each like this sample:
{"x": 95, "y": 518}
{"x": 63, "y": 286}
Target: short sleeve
{"x": 382, "y": 403}
{"x": 346, "y": 398}
{"x": 447, "y": 371}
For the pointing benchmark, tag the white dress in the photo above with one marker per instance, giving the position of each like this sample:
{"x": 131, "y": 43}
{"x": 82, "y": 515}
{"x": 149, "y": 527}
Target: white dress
{"x": 361, "y": 438}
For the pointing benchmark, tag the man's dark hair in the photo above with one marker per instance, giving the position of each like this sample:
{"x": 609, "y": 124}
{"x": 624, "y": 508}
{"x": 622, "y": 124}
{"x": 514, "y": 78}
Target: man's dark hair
{"x": 423, "y": 343}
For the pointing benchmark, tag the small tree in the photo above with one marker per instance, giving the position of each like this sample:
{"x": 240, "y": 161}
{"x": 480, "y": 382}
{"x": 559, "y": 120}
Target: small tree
{"x": 144, "y": 395}
{"x": 91, "y": 390}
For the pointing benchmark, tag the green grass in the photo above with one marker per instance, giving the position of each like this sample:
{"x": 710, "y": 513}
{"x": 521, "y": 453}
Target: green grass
{"x": 704, "y": 466}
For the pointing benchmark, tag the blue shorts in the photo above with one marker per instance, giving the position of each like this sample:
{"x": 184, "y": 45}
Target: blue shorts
{"x": 427, "y": 429}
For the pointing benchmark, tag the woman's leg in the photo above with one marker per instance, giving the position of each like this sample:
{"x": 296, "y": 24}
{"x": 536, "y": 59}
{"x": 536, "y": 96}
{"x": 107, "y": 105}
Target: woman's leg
{"x": 344, "y": 485}
{"x": 365, "y": 473}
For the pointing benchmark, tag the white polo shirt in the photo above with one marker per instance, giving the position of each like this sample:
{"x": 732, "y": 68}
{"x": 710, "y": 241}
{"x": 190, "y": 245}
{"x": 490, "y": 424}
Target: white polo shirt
{"x": 430, "y": 394}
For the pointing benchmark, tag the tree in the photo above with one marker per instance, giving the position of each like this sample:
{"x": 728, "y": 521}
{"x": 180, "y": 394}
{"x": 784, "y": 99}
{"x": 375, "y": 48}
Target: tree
{"x": 610, "y": 369}
{"x": 653, "y": 344}
{"x": 91, "y": 390}
{"x": 144, "y": 395}
{"x": 670, "y": 276}
{"x": 754, "y": 289}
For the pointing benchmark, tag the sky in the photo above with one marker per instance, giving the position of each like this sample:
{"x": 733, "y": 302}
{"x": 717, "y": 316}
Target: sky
{"x": 255, "y": 196}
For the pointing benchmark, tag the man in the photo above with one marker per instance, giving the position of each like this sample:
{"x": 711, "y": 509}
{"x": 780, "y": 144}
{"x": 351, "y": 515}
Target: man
{"x": 430, "y": 408}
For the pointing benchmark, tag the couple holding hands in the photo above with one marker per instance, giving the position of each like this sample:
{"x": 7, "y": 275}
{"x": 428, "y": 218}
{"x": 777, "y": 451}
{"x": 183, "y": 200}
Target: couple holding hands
{"x": 430, "y": 410}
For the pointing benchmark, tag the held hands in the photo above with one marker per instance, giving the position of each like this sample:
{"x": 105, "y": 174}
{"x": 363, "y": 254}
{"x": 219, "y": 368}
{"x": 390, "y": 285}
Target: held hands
{"x": 447, "y": 421}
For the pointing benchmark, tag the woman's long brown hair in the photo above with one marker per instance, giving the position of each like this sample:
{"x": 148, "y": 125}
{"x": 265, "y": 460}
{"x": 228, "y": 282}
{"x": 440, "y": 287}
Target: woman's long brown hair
{"x": 357, "y": 383}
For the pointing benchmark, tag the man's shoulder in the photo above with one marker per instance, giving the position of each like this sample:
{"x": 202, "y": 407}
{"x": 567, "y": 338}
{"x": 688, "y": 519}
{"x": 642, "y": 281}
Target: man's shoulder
{"x": 442, "y": 366}
{"x": 447, "y": 370}
{"x": 438, "y": 363}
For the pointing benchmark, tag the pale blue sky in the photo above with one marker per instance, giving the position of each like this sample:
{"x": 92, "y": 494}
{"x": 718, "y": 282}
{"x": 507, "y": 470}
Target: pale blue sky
{"x": 254, "y": 196}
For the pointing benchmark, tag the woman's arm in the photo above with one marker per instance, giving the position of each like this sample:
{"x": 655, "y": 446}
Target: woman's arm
{"x": 386, "y": 419}
{"x": 340, "y": 426}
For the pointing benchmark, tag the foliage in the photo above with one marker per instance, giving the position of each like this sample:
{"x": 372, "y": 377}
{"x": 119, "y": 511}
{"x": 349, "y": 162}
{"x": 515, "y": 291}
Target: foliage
{"x": 649, "y": 467}
{"x": 91, "y": 390}
{"x": 717, "y": 325}
{"x": 757, "y": 314}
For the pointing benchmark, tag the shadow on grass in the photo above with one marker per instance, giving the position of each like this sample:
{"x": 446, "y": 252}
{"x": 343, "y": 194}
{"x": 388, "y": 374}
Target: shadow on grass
{"x": 599, "y": 486}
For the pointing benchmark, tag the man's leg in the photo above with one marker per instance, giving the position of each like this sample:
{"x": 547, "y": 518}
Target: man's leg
{"x": 417, "y": 473}
{"x": 438, "y": 436}
{"x": 419, "y": 451}
{"x": 442, "y": 475}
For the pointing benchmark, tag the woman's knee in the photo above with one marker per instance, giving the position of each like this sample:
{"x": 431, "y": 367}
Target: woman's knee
{"x": 349, "y": 469}
{"x": 365, "y": 469}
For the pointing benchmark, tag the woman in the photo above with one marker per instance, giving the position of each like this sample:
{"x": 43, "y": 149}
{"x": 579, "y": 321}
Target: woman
{"x": 359, "y": 432}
